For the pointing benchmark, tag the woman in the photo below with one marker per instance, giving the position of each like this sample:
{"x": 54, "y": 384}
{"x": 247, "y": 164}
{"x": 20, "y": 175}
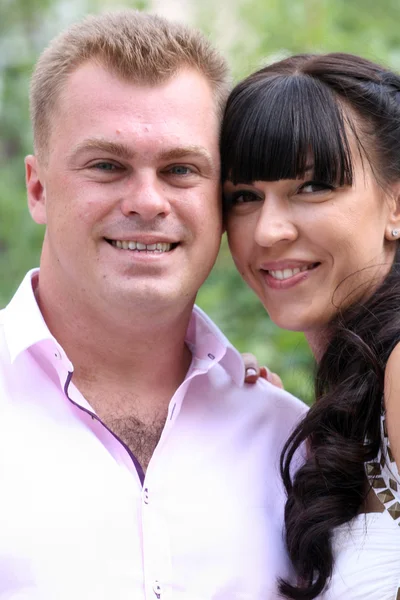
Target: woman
{"x": 311, "y": 171}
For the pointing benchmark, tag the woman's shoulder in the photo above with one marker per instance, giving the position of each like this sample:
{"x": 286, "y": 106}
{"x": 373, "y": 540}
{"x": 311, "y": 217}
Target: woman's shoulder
{"x": 367, "y": 549}
{"x": 367, "y": 559}
{"x": 384, "y": 477}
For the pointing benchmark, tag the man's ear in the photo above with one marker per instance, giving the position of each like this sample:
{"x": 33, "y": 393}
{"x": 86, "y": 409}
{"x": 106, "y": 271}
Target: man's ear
{"x": 35, "y": 190}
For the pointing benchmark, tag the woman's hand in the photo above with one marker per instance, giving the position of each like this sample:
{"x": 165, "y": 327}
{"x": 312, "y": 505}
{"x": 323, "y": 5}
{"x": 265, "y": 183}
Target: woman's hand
{"x": 254, "y": 371}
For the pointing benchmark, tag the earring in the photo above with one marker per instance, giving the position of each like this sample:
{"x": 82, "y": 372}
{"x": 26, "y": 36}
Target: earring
{"x": 395, "y": 232}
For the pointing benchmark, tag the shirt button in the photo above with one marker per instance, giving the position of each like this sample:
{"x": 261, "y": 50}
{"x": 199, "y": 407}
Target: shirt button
{"x": 146, "y": 495}
{"x": 157, "y": 589}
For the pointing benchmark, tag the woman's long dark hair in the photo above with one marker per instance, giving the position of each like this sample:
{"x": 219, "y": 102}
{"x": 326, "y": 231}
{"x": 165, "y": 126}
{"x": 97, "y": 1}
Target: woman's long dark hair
{"x": 274, "y": 120}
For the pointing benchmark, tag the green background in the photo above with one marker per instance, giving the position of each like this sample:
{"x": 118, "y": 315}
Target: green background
{"x": 250, "y": 34}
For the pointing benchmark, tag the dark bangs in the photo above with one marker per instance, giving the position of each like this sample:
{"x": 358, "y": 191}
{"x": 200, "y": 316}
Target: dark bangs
{"x": 276, "y": 126}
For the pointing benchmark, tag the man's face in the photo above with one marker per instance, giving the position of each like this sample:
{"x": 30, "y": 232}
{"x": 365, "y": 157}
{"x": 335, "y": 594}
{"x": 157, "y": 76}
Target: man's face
{"x": 130, "y": 191}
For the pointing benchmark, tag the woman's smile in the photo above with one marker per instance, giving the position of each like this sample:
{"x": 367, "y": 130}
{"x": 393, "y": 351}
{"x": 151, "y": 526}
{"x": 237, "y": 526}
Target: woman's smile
{"x": 287, "y": 277}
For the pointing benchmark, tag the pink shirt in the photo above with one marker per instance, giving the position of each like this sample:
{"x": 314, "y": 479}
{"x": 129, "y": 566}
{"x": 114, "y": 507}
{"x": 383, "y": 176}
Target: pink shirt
{"x": 79, "y": 521}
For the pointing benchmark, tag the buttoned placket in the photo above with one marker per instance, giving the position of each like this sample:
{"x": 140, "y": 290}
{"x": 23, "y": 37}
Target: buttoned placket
{"x": 157, "y": 559}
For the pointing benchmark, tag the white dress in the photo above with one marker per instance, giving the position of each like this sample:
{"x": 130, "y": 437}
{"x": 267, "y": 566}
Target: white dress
{"x": 367, "y": 549}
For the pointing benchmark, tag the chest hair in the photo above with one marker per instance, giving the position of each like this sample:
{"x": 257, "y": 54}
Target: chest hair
{"x": 135, "y": 423}
{"x": 141, "y": 438}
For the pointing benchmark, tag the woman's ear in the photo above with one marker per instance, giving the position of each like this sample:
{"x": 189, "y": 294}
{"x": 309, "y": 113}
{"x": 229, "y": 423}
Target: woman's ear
{"x": 392, "y": 230}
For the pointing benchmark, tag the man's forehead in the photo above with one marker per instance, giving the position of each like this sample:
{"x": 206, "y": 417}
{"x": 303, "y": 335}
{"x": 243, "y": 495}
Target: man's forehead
{"x": 186, "y": 96}
{"x": 92, "y": 77}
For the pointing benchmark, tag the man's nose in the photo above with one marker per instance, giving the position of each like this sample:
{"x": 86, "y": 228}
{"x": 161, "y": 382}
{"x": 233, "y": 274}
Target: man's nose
{"x": 275, "y": 224}
{"x": 147, "y": 198}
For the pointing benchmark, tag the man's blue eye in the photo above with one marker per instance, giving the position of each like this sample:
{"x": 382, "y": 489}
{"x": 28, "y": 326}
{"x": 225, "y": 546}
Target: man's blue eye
{"x": 180, "y": 170}
{"x": 105, "y": 166}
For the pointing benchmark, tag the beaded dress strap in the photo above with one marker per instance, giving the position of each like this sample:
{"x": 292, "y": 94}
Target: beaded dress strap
{"x": 384, "y": 477}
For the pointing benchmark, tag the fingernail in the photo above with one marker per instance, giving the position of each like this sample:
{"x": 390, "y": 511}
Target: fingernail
{"x": 250, "y": 371}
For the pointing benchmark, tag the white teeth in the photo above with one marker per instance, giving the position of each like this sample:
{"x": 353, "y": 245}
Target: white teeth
{"x": 287, "y": 273}
{"x": 131, "y": 245}
{"x": 278, "y": 274}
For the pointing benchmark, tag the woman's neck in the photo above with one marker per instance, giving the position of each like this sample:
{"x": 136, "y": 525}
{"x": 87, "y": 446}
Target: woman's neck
{"x": 318, "y": 340}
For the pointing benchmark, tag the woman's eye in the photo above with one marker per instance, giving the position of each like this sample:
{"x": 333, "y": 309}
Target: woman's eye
{"x": 312, "y": 187}
{"x": 242, "y": 196}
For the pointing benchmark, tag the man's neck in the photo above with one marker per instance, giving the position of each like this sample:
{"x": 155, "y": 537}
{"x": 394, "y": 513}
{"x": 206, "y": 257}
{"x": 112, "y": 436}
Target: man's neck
{"x": 147, "y": 349}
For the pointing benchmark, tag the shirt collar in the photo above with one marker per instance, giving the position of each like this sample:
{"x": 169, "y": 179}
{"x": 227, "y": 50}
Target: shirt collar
{"x": 209, "y": 346}
{"x": 24, "y": 326}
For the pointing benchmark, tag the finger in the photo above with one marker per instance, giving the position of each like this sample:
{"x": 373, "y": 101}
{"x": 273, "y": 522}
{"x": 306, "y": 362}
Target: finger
{"x": 252, "y": 374}
{"x": 250, "y": 361}
{"x": 251, "y": 366}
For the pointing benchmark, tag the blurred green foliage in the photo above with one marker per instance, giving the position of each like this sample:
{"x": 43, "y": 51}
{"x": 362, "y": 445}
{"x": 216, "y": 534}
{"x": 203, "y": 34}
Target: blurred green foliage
{"x": 251, "y": 33}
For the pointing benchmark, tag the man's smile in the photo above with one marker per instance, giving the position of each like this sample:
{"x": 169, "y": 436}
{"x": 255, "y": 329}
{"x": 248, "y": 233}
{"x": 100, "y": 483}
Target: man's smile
{"x": 140, "y": 247}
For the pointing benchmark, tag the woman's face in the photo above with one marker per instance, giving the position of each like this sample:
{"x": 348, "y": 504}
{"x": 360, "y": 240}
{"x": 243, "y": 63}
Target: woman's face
{"x": 307, "y": 249}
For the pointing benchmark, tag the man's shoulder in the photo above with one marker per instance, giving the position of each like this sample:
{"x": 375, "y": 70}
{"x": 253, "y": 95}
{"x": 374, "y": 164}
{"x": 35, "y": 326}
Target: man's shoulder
{"x": 263, "y": 402}
{"x": 275, "y": 410}
{"x": 262, "y": 396}
{"x": 276, "y": 400}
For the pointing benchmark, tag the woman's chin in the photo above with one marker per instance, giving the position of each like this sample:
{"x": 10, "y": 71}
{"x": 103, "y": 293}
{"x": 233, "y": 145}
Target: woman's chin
{"x": 295, "y": 321}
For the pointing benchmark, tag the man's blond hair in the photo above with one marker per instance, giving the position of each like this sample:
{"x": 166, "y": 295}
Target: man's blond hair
{"x": 136, "y": 46}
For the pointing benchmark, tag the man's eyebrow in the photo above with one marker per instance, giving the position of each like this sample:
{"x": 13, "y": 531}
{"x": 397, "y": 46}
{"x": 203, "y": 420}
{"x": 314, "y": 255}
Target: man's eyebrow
{"x": 118, "y": 149}
{"x": 123, "y": 151}
{"x": 188, "y": 151}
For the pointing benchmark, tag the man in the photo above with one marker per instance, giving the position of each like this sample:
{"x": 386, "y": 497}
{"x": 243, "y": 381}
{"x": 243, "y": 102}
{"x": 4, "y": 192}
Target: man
{"x": 134, "y": 462}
